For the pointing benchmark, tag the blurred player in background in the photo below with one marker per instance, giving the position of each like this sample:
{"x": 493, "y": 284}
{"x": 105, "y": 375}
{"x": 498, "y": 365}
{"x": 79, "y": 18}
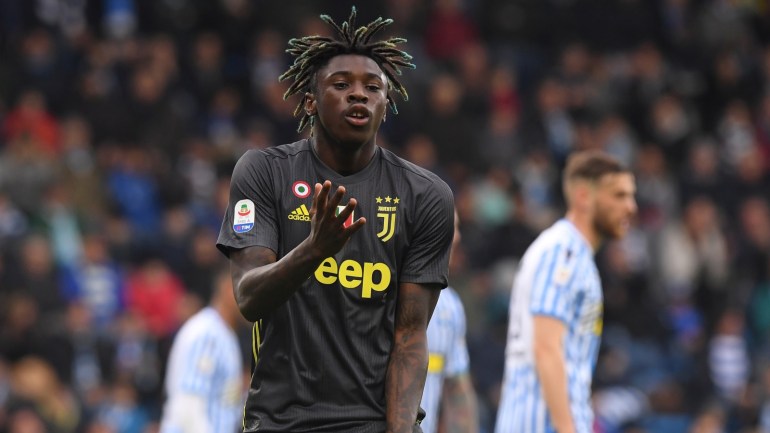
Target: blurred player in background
{"x": 204, "y": 379}
{"x": 340, "y": 292}
{"x": 555, "y": 319}
{"x": 448, "y": 398}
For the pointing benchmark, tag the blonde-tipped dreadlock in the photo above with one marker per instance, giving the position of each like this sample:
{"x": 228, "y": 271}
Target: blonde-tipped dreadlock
{"x": 312, "y": 52}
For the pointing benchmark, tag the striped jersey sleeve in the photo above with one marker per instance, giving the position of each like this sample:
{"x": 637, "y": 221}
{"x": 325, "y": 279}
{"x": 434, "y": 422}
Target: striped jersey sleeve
{"x": 457, "y": 356}
{"x": 200, "y": 366}
{"x": 551, "y": 289}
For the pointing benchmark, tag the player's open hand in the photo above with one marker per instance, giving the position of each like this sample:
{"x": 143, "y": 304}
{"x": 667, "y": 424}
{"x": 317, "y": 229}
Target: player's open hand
{"x": 328, "y": 233}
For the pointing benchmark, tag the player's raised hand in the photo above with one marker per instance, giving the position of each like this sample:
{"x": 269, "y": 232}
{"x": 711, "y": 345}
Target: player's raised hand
{"x": 327, "y": 231}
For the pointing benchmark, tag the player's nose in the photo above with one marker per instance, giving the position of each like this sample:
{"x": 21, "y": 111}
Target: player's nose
{"x": 357, "y": 93}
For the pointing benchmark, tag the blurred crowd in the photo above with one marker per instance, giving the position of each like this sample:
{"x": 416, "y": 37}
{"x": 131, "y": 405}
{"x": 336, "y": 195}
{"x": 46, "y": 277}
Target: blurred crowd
{"x": 121, "y": 120}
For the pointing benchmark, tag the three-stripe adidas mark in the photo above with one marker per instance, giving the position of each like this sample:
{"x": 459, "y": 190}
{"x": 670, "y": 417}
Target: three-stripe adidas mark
{"x": 300, "y": 214}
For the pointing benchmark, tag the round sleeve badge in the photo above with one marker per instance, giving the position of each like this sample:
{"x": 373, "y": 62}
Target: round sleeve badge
{"x": 301, "y": 189}
{"x": 243, "y": 216}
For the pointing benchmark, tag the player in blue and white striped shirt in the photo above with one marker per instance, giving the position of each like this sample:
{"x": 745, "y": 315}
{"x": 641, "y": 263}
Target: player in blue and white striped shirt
{"x": 204, "y": 378}
{"x": 448, "y": 391}
{"x": 555, "y": 316}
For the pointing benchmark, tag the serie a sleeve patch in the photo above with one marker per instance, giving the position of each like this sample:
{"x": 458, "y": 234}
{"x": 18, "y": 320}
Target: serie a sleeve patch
{"x": 243, "y": 216}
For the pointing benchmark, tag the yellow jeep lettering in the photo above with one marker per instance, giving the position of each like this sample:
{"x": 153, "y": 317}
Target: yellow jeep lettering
{"x": 351, "y": 275}
{"x": 328, "y": 266}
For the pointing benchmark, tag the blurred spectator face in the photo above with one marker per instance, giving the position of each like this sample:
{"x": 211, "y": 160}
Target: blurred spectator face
{"x": 36, "y": 256}
{"x": 207, "y": 52}
{"x": 731, "y": 323}
{"x": 751, "y": 166}
{"x": 704, "y": 160}
{"x": 34, "y": 379}
{"x": 575, "y": 61}
{"x": 226, "y": 103}
{"x": 177, "y": 222}
{"x": 37, "y": 50}
{"x": 21, "y": 314}
{"x": 727, "y": 68}
{"x": 163, "y": 55}
{"x": 79, "y": 318}
{"x": 700, "y": 217}
{"x": 204, "y": 252}
{"x": 76, "y": 133}
{"x": 755, "y": 220}
{"x": 473, "y": 63}
{"x": 421, "y": 151}
{"x": 95, "y": 249}
{"x": 711, "y": 421}
{"x": 669, "y": 119}
{"x": 32, "y": 104}
{"x": 147, "y": 86}
{"x": 551, "y": 96}
{"x": 651, "y": 162}
{"x": 26, "y": 421}
{"x": 272, "y": 96}
{"x": 647, "y": 62}
{"x": 445, "y": 95}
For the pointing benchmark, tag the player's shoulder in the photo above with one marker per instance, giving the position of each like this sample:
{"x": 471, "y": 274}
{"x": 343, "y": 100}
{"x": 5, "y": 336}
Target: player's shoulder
{"x": 558, "y": 235}
{"x": 558, "y": 238}
{"x": 202, "y": 324}
{"x": 277, "y": 153}
{"x": 413, "y": 173}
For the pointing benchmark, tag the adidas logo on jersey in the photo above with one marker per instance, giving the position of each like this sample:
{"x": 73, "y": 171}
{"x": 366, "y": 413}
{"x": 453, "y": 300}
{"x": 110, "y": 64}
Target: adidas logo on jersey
{"x": 300, "y": 214}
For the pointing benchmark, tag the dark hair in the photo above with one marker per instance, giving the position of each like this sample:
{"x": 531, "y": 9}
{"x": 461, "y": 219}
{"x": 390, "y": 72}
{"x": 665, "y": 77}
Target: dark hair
{"x": 313, "y": 52}
{"x": 591, "y": 165}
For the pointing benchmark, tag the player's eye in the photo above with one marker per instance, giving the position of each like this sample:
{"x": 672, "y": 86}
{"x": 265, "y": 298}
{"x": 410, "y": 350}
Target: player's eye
{"x": 373, "y": 88}
{"x": 340, "y": 85}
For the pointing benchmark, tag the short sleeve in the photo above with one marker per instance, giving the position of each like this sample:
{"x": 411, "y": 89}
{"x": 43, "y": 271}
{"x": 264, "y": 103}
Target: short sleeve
{"x": 250, "y": 218}
{"x": 552, "y": 289}
{"x": 427, "y": 258}
{"x": 200, "y": 366}
{"x": 457, "y": 358}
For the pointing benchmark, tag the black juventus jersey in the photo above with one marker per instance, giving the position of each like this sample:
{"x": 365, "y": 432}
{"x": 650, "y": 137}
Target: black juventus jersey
{"x": 321, "y": 358}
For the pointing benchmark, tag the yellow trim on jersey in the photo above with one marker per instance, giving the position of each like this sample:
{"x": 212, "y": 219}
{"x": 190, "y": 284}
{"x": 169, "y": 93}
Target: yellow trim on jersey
{"x": 256, "y": 339}
{"x": 435, "y": 363}
{"x": 256, "y": 342}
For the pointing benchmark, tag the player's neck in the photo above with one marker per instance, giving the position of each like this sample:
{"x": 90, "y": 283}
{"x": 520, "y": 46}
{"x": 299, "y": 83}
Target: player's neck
{"x": 344, "y": 159}
{"x": 584, "y": 225}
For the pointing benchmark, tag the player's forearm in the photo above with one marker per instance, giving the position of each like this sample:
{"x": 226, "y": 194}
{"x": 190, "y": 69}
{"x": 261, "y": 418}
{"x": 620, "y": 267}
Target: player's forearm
{"x": 405, "y": 379}
{"x": 459, "y": 405}
{"x": 260, "y": 290}
{"x": 552, "y": 372}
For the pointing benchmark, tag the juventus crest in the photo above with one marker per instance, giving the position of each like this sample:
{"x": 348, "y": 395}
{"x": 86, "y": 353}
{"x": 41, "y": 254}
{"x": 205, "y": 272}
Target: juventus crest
{"x": 386, "y": 213}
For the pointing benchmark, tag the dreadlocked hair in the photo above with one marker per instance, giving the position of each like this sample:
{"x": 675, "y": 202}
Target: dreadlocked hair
{"x": 312, "y": 52}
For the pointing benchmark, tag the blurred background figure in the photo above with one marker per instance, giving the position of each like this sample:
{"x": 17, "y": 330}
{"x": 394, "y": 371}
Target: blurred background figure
{"x": 204, "y": 381}
{"x": 448, "y": 397}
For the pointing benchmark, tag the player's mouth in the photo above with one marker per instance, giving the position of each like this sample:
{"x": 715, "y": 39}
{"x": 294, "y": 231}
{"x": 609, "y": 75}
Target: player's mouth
{"x": 358, "y": 115}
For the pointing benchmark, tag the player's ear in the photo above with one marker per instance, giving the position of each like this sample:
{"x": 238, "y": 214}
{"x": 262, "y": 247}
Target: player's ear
{"x": 310, "y": 104}
{"x": 581, "y": 193}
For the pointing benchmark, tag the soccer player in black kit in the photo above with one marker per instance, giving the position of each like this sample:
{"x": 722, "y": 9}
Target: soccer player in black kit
{"x": 338, "y": 249}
